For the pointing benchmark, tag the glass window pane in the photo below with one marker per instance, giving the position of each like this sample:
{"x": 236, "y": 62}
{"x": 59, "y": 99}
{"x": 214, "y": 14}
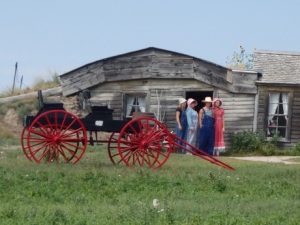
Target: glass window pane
{"x": 274, "y": 98}
{"x": 134, "y": 103}
{"x": 282, "y": 132}
{"x": 278, "y": 114}
{"x": 285, "y": 104}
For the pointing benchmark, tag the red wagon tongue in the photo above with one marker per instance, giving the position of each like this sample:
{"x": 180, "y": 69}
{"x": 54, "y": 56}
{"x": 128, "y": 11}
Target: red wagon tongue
{"x": 197, "y": 152}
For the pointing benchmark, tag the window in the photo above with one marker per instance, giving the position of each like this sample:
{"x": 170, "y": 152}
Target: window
{"x": 278, "y": 115}
{"x": 134, "y": 103}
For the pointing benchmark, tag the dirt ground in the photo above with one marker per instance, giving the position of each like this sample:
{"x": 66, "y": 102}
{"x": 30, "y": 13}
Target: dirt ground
{"x": 271, "y": 159}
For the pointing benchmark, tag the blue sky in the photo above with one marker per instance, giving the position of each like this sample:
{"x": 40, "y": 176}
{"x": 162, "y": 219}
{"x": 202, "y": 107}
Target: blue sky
{"x": 60, "y": 35}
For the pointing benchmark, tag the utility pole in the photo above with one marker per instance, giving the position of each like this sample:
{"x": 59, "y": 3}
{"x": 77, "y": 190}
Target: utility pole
{"x": 15, "y": 76}
{"x": 21, "y": 82}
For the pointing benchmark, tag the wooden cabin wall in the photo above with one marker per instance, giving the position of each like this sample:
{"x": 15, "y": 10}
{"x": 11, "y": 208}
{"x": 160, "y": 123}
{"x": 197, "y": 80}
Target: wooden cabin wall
{"x": 162, "y": 96}
{"x": 262, "y": 109}
{"x": 295, "y": 128}
{"x": 239, "y": 112}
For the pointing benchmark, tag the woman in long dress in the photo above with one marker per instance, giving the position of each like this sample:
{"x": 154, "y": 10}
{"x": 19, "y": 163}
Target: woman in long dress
{"x": 218, "y": 111}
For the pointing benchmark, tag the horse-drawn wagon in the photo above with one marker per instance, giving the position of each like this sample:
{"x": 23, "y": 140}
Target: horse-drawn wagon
{"x": 56, "y": 135}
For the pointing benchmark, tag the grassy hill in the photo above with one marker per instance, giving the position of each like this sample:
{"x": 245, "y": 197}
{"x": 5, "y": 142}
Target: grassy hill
{"x": 12, "y": 113}
{"x": 39, "y": 84}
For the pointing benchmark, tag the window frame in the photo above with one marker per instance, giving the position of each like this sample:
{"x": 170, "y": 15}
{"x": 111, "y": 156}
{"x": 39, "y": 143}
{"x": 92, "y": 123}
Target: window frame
{"x": 135, "y": 94}
{"x": 289, "y": 115}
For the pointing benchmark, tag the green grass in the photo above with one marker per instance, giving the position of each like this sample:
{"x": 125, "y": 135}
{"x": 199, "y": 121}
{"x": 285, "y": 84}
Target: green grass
{"x": 294, "y": 160}
{"x": 190, "y": 191}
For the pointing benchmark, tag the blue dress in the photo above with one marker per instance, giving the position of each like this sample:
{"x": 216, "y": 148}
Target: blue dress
{"x": 192, "y": 120}
{"x": 206, "y": 133}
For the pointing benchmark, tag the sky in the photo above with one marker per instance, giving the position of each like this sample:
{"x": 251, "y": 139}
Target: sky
{"x": 47, "y": 37}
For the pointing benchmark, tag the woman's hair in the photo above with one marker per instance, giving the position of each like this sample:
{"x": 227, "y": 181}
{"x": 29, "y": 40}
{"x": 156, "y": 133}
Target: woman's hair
{"x": 218, "y": 100}
{"x": 181, "y": 105}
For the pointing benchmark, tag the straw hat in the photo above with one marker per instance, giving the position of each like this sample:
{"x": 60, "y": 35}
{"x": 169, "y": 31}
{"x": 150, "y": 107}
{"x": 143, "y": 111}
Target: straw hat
{"x": 181, "y": 100}
{"x": 191, "y": 100}
{"x": 207, "y": 99}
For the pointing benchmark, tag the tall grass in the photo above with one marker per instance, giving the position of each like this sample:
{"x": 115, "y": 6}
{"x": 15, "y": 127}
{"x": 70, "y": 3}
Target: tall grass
{"x": 190, "y": 191}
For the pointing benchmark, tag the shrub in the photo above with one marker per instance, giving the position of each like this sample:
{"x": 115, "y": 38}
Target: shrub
{"x": 296, "y": 149}
{"x": 246, "y": 142}
{"x": 251, "y": 142}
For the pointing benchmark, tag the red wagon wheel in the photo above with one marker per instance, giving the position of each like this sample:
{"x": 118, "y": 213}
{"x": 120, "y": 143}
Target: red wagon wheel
{"x": 145, "y": 142}
{"x": 56, "y": 135}
{"x": 24, "y": 143}
{"x": 112, "y": 149}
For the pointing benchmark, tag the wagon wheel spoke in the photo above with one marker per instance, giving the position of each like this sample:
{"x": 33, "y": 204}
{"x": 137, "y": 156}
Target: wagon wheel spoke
{"x": 127, "y": 159}
{"x": 144, "y": 159}
{"x": 43, "y": 128}
{"x": 68, "y": 127}
{"x": 45, "y": 153}
{"x": 63, "y": 154}
{"x": 63, "y": 122}
{"x": 35, "y": 151}
{"x": 65, "y": 135}
{"x": 39, "y": 134}
{"x": 72, "y": 152}
{"x": 133, "y": 129}
{"x": 50, "y": 159}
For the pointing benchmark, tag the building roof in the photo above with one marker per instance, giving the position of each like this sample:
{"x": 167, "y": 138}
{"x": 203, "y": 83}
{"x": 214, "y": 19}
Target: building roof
{"x": 155, "y": 63}
{"x": 144, "y": 50}
{"x": 277, "y": 67}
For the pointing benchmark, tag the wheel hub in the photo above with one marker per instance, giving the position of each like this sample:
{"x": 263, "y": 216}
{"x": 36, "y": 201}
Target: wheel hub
{"x": 56, "y": 139}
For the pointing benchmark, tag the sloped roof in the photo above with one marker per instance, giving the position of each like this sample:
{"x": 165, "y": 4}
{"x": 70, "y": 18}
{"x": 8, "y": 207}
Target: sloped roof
{"x": 277, "y": 66}
{"x": 155, "y": 63}
{"x": 145, "y": 50}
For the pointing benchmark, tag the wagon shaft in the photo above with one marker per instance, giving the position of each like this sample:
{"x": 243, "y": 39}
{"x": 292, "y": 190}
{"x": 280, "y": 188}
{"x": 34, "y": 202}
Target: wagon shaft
{"x": 197, "y": 152}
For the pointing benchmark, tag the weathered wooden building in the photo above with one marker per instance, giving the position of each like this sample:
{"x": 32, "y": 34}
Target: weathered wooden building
{"x": 153, "y": 79}
{"x": 279, "y": 95}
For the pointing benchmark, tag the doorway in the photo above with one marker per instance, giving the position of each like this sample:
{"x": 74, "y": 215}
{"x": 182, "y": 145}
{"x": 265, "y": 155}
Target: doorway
{"x": 199, "y": 96}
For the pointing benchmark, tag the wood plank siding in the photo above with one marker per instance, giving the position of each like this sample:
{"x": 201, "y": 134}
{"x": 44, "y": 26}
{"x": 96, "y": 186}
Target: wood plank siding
{"x": 239, "y": 112}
